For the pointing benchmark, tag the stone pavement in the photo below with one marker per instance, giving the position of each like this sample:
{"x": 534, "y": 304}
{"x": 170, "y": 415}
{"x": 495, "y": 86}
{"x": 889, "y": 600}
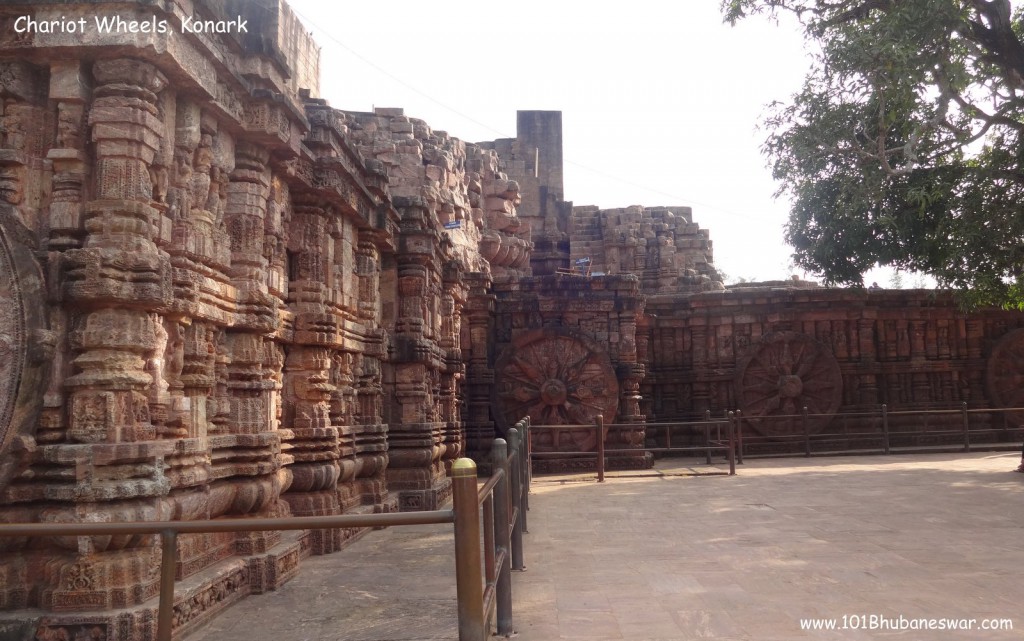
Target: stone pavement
{"x": 664, "y": 556}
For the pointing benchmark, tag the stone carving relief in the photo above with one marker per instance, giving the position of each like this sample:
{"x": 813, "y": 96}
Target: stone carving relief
{"x": 22, "y": 357}
{"x": 12, "y": 336}
{"x": 556, "y": 378}
{"x": 1004, "y": 373}
{"x": 782, "y": 374}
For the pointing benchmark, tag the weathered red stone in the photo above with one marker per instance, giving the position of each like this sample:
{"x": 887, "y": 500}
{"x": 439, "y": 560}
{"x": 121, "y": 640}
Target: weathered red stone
{"x": 223, "y": 297}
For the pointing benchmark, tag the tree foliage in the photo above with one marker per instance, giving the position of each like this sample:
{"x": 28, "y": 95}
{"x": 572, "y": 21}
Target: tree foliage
{"x": 905, "y": 146}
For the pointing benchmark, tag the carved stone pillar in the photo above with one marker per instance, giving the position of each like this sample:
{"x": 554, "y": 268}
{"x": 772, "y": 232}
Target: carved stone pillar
{"x": 475, "y": 339}
{"x": 371, "y": 437}
{"x": 415, "y": 437}
{"x": 307, "y": 413}
{"x": 247, "y": 450}
{"x": 370, "y": 431}
{"x": 343, "y": 402}
{"x": 917, "y": 339}
{"x": 630, "y": 372}
{"x": 116, "y": 278}
{"x": 312, "y": 412}
{"x": 70, "y": 166}
{"x": 453, "y": 375}
{"x": 975, "y": 336}
{"x": 248, "y": 458}
{"x": 274, "y": 249}
{"x": 368, "y": 268}
{"x": 699, "y": 346}
{"x": 245, "y": 214}
{"x": 866, "y": 339}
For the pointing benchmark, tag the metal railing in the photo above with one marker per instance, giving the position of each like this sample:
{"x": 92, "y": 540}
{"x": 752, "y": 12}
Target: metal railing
{"x": 714, "y": 440}
{"x": 475, "y": 599}
{"x": 711, "y": 431}
{"x": 502, "y": 501}
{"x": 881, "y": 430}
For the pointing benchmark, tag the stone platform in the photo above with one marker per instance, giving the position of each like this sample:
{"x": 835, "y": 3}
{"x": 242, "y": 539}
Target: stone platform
{"x": 664, "y": 555}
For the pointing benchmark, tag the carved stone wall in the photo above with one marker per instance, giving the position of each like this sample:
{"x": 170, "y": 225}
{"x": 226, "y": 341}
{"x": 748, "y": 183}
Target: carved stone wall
{"x": 459, "y": 232}
{"x": 661, "y": 245}
{"x": 770, "y": 351}
{"x": 220, "y": 301}
{"x": 224, "y": 298}
{"x": 566, "y": 350}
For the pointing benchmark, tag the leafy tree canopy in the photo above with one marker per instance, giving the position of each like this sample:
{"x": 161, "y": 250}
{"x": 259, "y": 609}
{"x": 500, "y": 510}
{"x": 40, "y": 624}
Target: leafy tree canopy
{"x": 905, "y": 146}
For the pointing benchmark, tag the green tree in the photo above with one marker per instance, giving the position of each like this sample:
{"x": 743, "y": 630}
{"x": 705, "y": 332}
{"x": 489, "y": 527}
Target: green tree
{"x": 905, "y": 146}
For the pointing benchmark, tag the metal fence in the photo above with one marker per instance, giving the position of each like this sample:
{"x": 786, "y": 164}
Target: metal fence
{"x": 875, "y": 430}
{"x": 880, "y": 430}
{"x": 718, "y": 436}
{"x": 479, "y": 586}
{"x": 503, "y": 501}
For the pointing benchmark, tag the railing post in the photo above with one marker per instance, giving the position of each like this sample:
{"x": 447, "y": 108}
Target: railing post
{"x": 527, "y": 467}
{"x": 668, "y": 438}
{"x": 600, "y": 448}
{"x": 739, "y": 436}
{"x": 967, "y": 427}
{"x": 502, "y": 513}
{"x": 515, "y": 445}
{"x": 707, "y": 436}
{"x": 524, "y": 474}
{"x": 165, "y": 611}
{"x": 731, "y": 428}
{"x": 807, "y": 433}
{"x": 885, "y": 426}
{"x": 469, "y": 581}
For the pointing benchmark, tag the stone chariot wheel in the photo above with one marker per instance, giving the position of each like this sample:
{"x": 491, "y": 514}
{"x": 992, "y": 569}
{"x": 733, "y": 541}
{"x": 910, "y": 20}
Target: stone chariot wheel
{"x": 1004, "y": 374}
{"x": 556, "y": 378}
{"x": 781, "y": 375}
{"x": 22, "y": 368}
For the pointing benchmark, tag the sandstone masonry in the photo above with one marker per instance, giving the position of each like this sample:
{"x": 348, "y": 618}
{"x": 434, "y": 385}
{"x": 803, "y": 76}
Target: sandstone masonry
{"x": 223, "y": 297}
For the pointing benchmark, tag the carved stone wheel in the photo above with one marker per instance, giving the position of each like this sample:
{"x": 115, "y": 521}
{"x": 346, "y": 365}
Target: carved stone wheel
{"x": 1004, "y": 375}
{"x": 781, "y": 375}
{"x": 556, "y": 378}
{"x": 21, "y": 378}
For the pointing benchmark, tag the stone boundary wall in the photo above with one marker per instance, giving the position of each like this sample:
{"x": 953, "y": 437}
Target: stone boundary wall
{"x": 773, "y": 350}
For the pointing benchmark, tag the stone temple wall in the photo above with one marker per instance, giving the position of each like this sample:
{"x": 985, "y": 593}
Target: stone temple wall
{"x": 771, "y": 351}
{"x": 534, "y": 160}
{"x": 767, "y": 349}
{"x": 669, "y": 252}
{"x": 222, "y": 298}
{"x": 459, "y": 183}
{"x": 453, "y": 193}
{"x": 566, "y": 352}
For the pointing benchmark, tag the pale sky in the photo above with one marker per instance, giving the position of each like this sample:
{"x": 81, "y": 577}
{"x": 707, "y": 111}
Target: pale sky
{"x": 661, "y": 101}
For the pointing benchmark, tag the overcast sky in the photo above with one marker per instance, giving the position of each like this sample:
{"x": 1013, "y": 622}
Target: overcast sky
{"x": 661, "y": 101}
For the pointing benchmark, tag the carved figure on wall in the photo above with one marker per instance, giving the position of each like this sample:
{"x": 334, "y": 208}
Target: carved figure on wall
{"x": 217, "y": 196}
{"x": 200, "y": 178}
{"x": 782, "y": 374}
{"x": 179, "y": 201}
{"x": 12, "y": 127}
{"x": 12, "y": 344}
{"x": 69, "y": 125}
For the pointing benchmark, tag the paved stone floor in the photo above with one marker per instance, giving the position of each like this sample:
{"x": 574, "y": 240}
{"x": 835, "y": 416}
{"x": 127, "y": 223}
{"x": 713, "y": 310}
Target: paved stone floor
{"x": 669, "y": 556}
